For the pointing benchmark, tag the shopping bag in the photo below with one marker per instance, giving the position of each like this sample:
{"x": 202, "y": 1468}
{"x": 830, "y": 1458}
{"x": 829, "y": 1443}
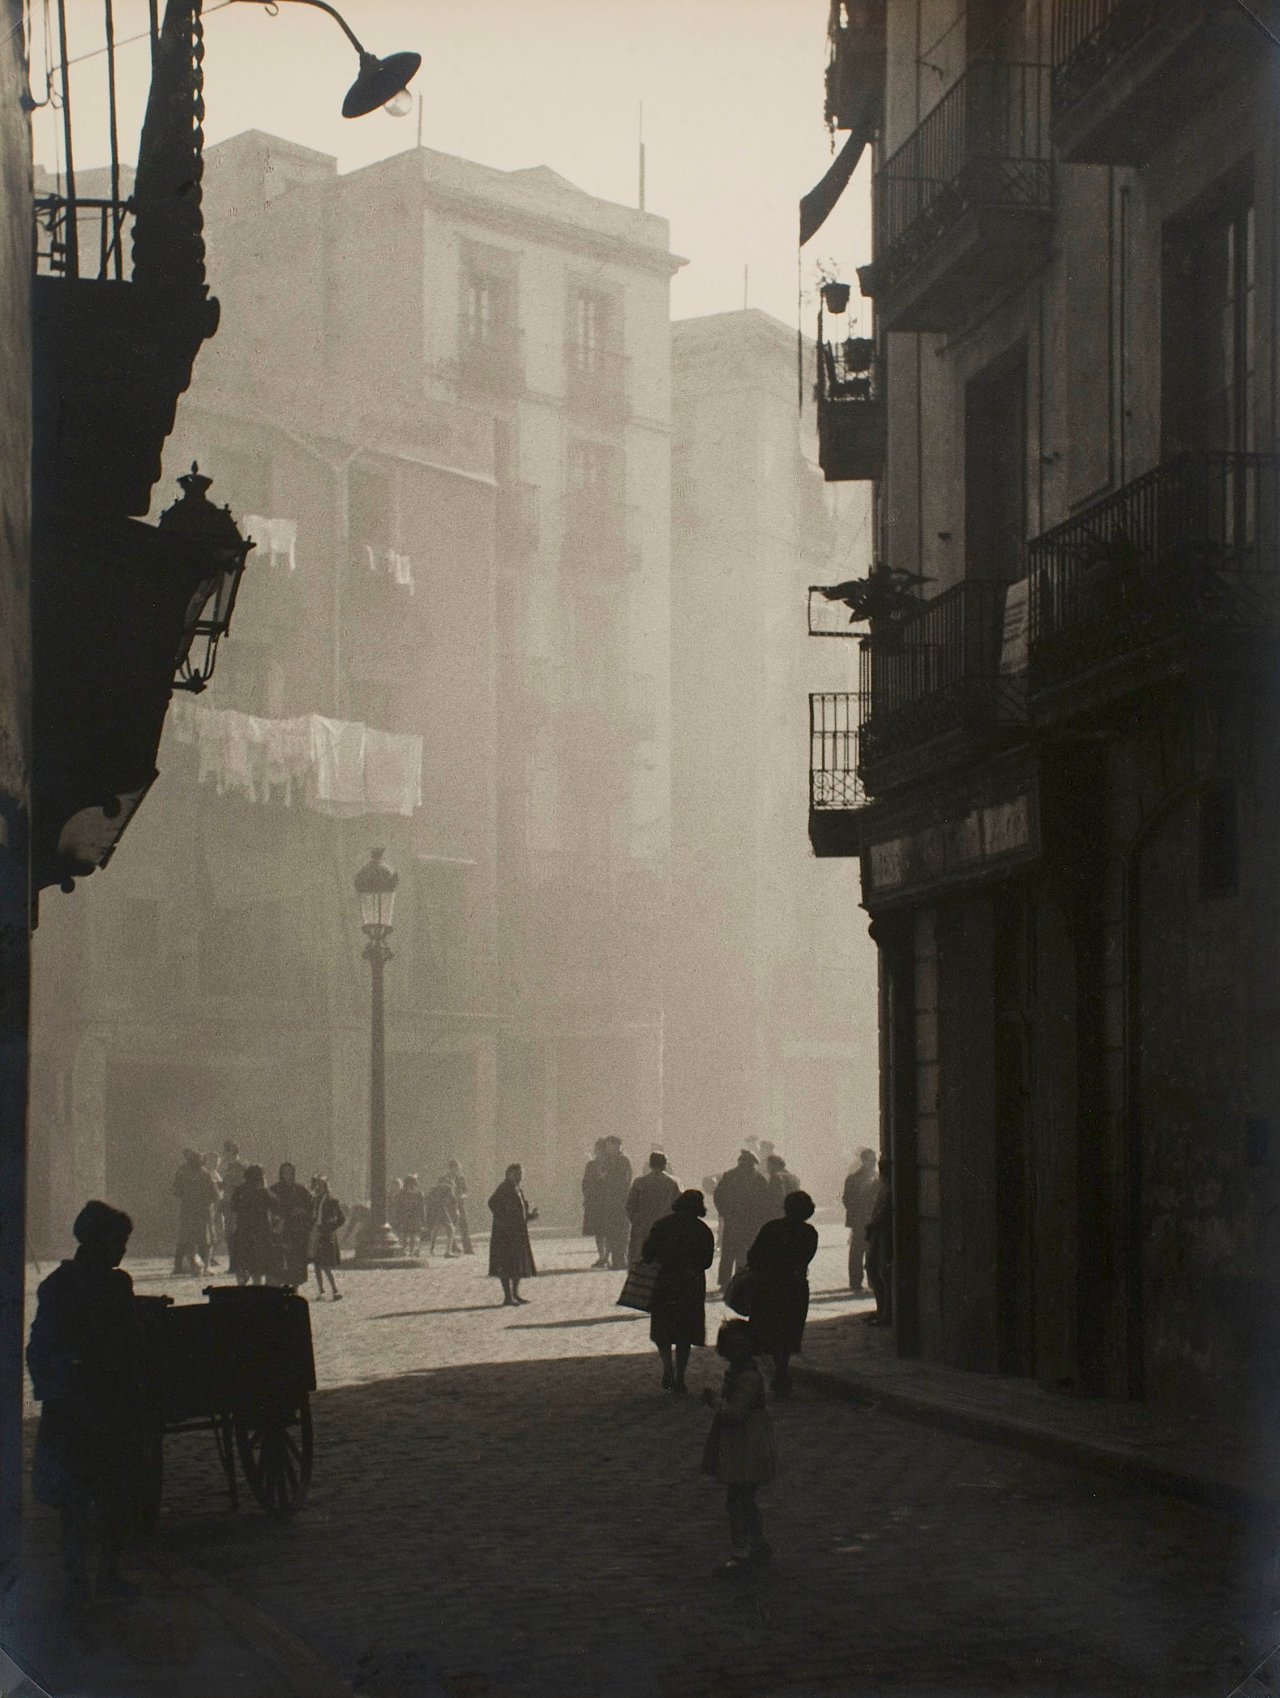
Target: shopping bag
{"x": 637, "y": 1291}
{"x": 741, "y": 1291}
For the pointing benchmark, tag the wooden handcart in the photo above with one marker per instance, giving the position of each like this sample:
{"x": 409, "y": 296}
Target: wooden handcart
{"x": 241, "y": 1366}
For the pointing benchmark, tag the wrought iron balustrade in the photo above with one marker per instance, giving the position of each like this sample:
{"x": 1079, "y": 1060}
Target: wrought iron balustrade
{"x": 1187, "y": 550}
{"x": 851, "y": 412}
{"x": 984, "y": 146}
{"x": 932, "y": 671}
{"x": 1090, "y": 35}
{"x": 69, "y": 233}
{"x": 835, "y": 723}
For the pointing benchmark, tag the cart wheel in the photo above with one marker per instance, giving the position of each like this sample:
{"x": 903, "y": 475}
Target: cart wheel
{"x": 274, "y": 1442}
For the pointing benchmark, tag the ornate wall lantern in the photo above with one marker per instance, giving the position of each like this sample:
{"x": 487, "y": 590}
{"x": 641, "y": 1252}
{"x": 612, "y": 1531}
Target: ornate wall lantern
{"x": 195, "y": 519}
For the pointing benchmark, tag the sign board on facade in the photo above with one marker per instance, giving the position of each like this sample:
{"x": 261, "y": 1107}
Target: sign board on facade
{"x": 1013, "y": 643}
{"x": 968, "y": 844}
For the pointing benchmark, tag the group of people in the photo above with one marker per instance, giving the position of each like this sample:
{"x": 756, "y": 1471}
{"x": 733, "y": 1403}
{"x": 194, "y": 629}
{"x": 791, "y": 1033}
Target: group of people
{"x": 273, "y": 1234}
{"x": 419, "y": 1218}
{"x": 868, "y": 1213}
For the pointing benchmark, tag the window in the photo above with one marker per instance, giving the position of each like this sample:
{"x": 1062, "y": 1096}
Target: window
{"x": 592, "y": 471}
{"x": 1208, "y": 342}
{"x": 590, "y": 328}
{"x": 487, "y": 319}
{"x": 995, "y": 491}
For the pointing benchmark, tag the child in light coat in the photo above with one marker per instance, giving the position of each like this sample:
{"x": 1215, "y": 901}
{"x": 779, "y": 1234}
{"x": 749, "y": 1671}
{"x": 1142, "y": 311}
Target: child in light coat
{"x": 740, "y": 1449}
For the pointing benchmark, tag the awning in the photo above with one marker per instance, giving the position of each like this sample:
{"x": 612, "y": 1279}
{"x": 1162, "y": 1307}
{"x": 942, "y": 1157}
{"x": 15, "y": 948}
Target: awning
{"x": 816, "y": 206}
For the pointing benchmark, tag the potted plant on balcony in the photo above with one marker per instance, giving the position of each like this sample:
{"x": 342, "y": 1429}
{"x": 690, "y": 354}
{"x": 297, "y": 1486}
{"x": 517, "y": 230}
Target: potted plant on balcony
{"x": 835, "y": 295}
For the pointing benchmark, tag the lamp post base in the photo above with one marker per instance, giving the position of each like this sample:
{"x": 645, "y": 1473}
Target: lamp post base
{"x": 378, "y": 1247}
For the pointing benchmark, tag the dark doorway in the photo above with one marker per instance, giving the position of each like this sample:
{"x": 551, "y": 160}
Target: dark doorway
{"x": 995, "y": 476}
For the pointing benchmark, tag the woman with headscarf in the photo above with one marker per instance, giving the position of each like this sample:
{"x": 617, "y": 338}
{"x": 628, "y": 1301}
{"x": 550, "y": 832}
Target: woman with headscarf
{"x": 779, "y": 1259}
{"x": 683, "y": 1247}
{"x": 329, "y": 1216}
{"x": 510, "y": 1253}
{"x": 255, "y": 1250}
{"x": 293, "y": 1205}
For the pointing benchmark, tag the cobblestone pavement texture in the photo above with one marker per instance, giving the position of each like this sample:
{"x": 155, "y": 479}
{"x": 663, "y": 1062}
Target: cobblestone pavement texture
{"x": 506, "y": 1506}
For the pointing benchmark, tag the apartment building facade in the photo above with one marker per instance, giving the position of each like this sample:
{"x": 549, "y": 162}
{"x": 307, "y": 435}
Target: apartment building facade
{"x": 1058, "y": 770}
{"x": 439, "y": 403}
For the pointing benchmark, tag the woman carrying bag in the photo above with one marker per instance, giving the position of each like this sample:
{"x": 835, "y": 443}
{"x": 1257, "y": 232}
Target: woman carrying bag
{"x": 682, "y": 1247}
{"x": 778, "y": 1263}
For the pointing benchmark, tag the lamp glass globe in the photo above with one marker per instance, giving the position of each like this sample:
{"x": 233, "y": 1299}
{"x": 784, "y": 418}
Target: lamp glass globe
{"x": 400, "y": 105}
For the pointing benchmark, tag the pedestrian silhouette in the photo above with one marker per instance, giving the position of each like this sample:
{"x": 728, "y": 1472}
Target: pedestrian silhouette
{"x": 294, "y": 1210}
{"x": 740, "y": 1449}
{"x": 86, "y": 1362}
{"x": 510, "y": 1253}
{"x": 327, "y": 1215}
{"x": 255, "y": 1249}
{"x": 743, "y": 1201}
{"x": 683, "y": 1247}
{"x": 779, "y": 1260}
{"x": 593, "y": 1204}
{"x": 651, "y": 1196}
{"x": 857, "y": 1198}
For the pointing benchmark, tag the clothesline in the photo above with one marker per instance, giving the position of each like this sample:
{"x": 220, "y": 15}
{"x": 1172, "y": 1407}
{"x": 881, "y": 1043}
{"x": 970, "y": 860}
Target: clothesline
{"x": 332, "y": 766}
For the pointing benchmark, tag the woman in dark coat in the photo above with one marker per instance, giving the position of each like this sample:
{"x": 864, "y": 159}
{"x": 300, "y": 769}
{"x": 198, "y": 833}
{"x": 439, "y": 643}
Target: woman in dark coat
{"x": 255, "y": 1251}
{"x": 86, "y": 1361}
{"x": 684, "y": 1247}
{"x": 293, "y": 1204}
{"x": 510, "y": 1254}
{"x": 593, "y": 1205}
{"x": 780, "y": 1259}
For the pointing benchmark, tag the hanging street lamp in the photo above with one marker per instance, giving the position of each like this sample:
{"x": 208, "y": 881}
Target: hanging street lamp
{"x": 379, "y": 82}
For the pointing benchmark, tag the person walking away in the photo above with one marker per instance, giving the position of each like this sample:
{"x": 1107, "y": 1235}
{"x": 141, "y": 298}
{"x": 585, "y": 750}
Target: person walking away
{"x": 684, "y": 1247}
{"x": 255, "y": 1251}
{"x": 858, "y": 1196}
{"x": 441, "y": 1216}
{"x": 458, "y": 1180}
{"x": 293, "y": 1207}
{"x": 782, "y": 1182}
{"x": 593, "y": 1203}
{"x": 742, "y": 1200}
{"x": 780, "y": 1259}
{"x": 510, "y": 1253}
{"x": 197, "y": 1192}
{"x": 213, "y": 1167}
{"x": 231, "y": 1178}
{"x": 413, "y": 1215}
{"x": 615, "y": 1189}
{"x": 85, "y": 1358}
{"x": 651, "y": 1196}
{"x": 880, "y": 1249}
{"x": 740, "y": 1449}
{"x": 395, "y": 1206}
{"x": 328, "y": 1215}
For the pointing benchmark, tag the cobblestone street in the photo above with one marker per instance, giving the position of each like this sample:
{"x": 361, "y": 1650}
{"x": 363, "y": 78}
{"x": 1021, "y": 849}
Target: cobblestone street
{"x": 506, "y": 1506}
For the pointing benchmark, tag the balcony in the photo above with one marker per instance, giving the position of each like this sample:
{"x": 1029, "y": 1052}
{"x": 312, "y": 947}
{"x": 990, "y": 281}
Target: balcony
{"x": 492, "y": 361}
{"x": 596, "y": 382}
{"x": 963, "y": 209}
{"x": 1128, "y": 74}
{"x": 598, "y": 535}
{"x": 835, "y": 783}
{"x": 1176, "y": 569}
{"x": 935, "y": 677}
{"x": 857, "y": 37}
{"x": 517, "y": 520}
{"x": 851, "y": 411}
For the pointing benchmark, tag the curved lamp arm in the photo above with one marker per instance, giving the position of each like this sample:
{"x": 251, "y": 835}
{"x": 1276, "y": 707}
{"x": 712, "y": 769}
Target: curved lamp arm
{"x": 321, "y": 6}
{"x": 381, "y": 82}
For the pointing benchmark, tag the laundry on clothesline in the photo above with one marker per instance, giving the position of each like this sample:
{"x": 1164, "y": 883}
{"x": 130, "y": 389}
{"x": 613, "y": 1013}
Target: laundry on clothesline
{"x": 277, "y": 539}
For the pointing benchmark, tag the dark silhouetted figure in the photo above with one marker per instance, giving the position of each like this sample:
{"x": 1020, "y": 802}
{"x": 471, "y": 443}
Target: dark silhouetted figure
{"x": 85, "y": 1358}
{"x": 781, "y": 1181}
{"x": 231, "y": 1177}
{"x": 880, "y": 1249}
{"x": 651, "y": 1196}
{"x": 327, "y": 1216}
{"x": 510, "y": 1253}
{"x": 413, "y": 1215}
{"x": 742, "y": 1199}
{"x": 293, "y": 1208}
{"x": 593, "y": 1207}
{"x": 255, "y": 1248}
{"x": 197, "y": 1192}
{"x": 684, "y": 1247}
{"x": 441, "y": 1216}
{"x": 858, "y": 1196}
{"x": 458, "y": 1180}
{"x": 740, "y": 1450}
{"x": 615, "y": 1188}
{"x": 780, "y": 1259}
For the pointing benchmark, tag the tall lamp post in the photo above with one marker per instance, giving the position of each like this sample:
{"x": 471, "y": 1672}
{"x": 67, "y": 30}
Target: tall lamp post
{"x": 377, "y": 1245}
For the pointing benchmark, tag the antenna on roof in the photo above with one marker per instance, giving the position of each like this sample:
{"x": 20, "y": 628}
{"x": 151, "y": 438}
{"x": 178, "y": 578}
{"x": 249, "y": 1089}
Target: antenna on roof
{"x": 419, "y": 120}
{"x": 746, "y": 285}
{"x": 641, "y": 202}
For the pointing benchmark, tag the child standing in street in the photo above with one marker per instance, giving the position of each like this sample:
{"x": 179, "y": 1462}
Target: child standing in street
{"x": 740, "y": 1450}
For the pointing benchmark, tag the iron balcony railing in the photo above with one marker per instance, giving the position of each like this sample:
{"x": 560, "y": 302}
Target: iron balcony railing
{"x": 595, "y": 378}
{"x": 1189, "y": 549}
{"x": 1090, "y": 35}
{"x": 835, "y": 721}
{"x": 984, "y": 146}
{"x": 490, "y": 356}
{"x": 84, "y": 237}
{"x": 932, "y": 671}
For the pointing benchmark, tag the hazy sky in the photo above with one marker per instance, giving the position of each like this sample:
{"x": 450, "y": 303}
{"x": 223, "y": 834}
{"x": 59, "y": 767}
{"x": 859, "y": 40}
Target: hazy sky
{"x": 732, "y": 93}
